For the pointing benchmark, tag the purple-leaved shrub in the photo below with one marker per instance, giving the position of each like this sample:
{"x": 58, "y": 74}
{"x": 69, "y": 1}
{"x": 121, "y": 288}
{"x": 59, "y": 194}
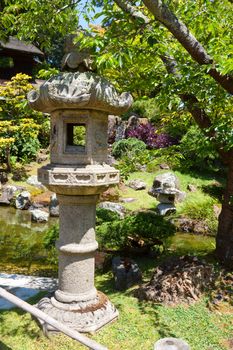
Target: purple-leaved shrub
{"x": 148, "y": 134}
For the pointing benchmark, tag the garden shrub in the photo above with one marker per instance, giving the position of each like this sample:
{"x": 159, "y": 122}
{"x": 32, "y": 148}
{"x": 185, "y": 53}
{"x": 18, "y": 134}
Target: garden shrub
{"x": 127, "y": 146}
{"x": 133, "y": 155}
{"x": 170, "y": 156}
{"x": 150, "y": 136}
{"x": 21, "y": 128}
{"x": 105, "y": 215}
{"x": 141, "y": 225}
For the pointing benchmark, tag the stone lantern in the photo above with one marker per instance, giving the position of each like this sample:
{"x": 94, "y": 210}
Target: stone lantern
{"x": 79, "y": 105}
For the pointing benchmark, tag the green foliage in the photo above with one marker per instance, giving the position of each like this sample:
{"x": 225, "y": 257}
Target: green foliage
{"x": 105, "y": 215}
{"x": 50, "y": 237}
{"x": 128, "y": 146}
{"x": 38, "y": 21}
{"x": 132, "y": 153}
{"x": 20, "y": 126}
{"x": 133, "y": 162}
{"x": 47, "y": 73}
{"x": 143, "y": 225}
{"x": 197, "y": 150}
{"x": 169, "y": 155}
{"x": 49, "y": 241}
{"x": 201, "y": 209}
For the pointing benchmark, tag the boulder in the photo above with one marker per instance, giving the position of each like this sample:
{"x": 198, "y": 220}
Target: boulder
{"x": 126, "y": 273}
{"x": 33, "y": 181}
{"x": 54, "y": 206}
{"x": 8, "y": 193}
{"x": 111, "y": 194}
{"x": 171, "y": 344}
{"x": 113, "y": 122}
{"x": 38, "y": 215}
{"x": 164, "y": 166}
{"x": 3, "y": 177}
{"x": 137, "y": 184}
{"x": 115, "y": 207}
{"x": 128, "y": 200}
{"x": 23, "y": 200}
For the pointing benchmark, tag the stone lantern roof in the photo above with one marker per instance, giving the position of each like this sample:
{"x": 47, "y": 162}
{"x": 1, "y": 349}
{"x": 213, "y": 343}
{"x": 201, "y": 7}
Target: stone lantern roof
{"x": 79, "y": 91}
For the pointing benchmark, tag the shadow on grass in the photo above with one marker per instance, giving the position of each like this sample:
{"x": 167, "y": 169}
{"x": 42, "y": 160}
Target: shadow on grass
{"x": 4, "y": 346}
{"x": 152, "y": 310}
{"x": 13, "y": 322}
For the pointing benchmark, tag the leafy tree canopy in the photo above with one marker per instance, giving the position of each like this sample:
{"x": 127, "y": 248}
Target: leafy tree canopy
{"x": 44, "y": 23}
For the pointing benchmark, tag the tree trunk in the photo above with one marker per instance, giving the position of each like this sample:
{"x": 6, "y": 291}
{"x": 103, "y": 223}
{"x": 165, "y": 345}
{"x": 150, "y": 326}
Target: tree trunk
{"x": 224, "y": 239}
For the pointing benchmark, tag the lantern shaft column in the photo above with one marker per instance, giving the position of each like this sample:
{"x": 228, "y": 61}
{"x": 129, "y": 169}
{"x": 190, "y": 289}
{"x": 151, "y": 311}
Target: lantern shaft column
{"x": 76, "y": 247}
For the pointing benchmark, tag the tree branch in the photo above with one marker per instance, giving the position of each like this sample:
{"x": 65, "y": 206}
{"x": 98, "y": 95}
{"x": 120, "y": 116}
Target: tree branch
{"x": 132, "y": 11}
{"x": 162, "y": 13}
{"x": 72, "y": 3}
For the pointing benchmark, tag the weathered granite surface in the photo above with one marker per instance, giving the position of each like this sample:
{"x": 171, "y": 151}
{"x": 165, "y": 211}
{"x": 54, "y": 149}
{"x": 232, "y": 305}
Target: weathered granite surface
{"x": 81, "y": 91}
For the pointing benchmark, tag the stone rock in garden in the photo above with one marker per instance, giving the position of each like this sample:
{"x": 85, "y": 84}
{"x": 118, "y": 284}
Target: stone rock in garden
{"x": 120, "y": 131}
{"x": 115, "y": 207}
{"x": 3, "y": 177}
{"x": 128, "y": 200}
{"x": 8, "y": 193}
{"x": 126, "y": 273}
{"x": 38, "y": 215}
{"x": 23, "y": 200}
{"x": 110, "y": 195}
{"x": 191, "y": 188}
{"x": 171, "y": 344}
{"x": 200, "y": 228}
{"x": 54, "y": 206}
{"x": 113, "y": 122}
{"x": 184, "y": 224}
{"x": 164, "y": 166}
{"x": 33, "y": 181}
{"x": 137, "y": 184}
{"x": 116, "y": 128}
{"x": 165, "y": 209}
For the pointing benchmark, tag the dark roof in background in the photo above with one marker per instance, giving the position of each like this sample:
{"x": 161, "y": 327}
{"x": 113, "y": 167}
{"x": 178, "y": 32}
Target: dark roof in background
{"x": 19, "y": 45}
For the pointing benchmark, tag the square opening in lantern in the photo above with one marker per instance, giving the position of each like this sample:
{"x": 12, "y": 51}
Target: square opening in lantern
{"x": 75, "y": 137}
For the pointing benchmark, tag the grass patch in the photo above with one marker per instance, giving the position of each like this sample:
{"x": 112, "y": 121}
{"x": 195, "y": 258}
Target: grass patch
{"x": 139, "y": 326}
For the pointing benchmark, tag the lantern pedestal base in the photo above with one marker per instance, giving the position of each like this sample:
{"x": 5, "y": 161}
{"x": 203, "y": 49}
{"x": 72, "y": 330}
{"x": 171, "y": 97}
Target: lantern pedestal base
{"x": 84, "y": 316}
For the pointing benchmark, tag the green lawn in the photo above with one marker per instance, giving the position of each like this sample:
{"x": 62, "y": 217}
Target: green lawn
{"x": 140, "y": 324}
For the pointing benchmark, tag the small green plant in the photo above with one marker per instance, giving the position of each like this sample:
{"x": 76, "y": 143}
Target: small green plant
{"x": 146, "y": 226}
{"x": 130, "y": 146}
{"x": 49, "y": 241}
{"x": 105, "y": 215}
